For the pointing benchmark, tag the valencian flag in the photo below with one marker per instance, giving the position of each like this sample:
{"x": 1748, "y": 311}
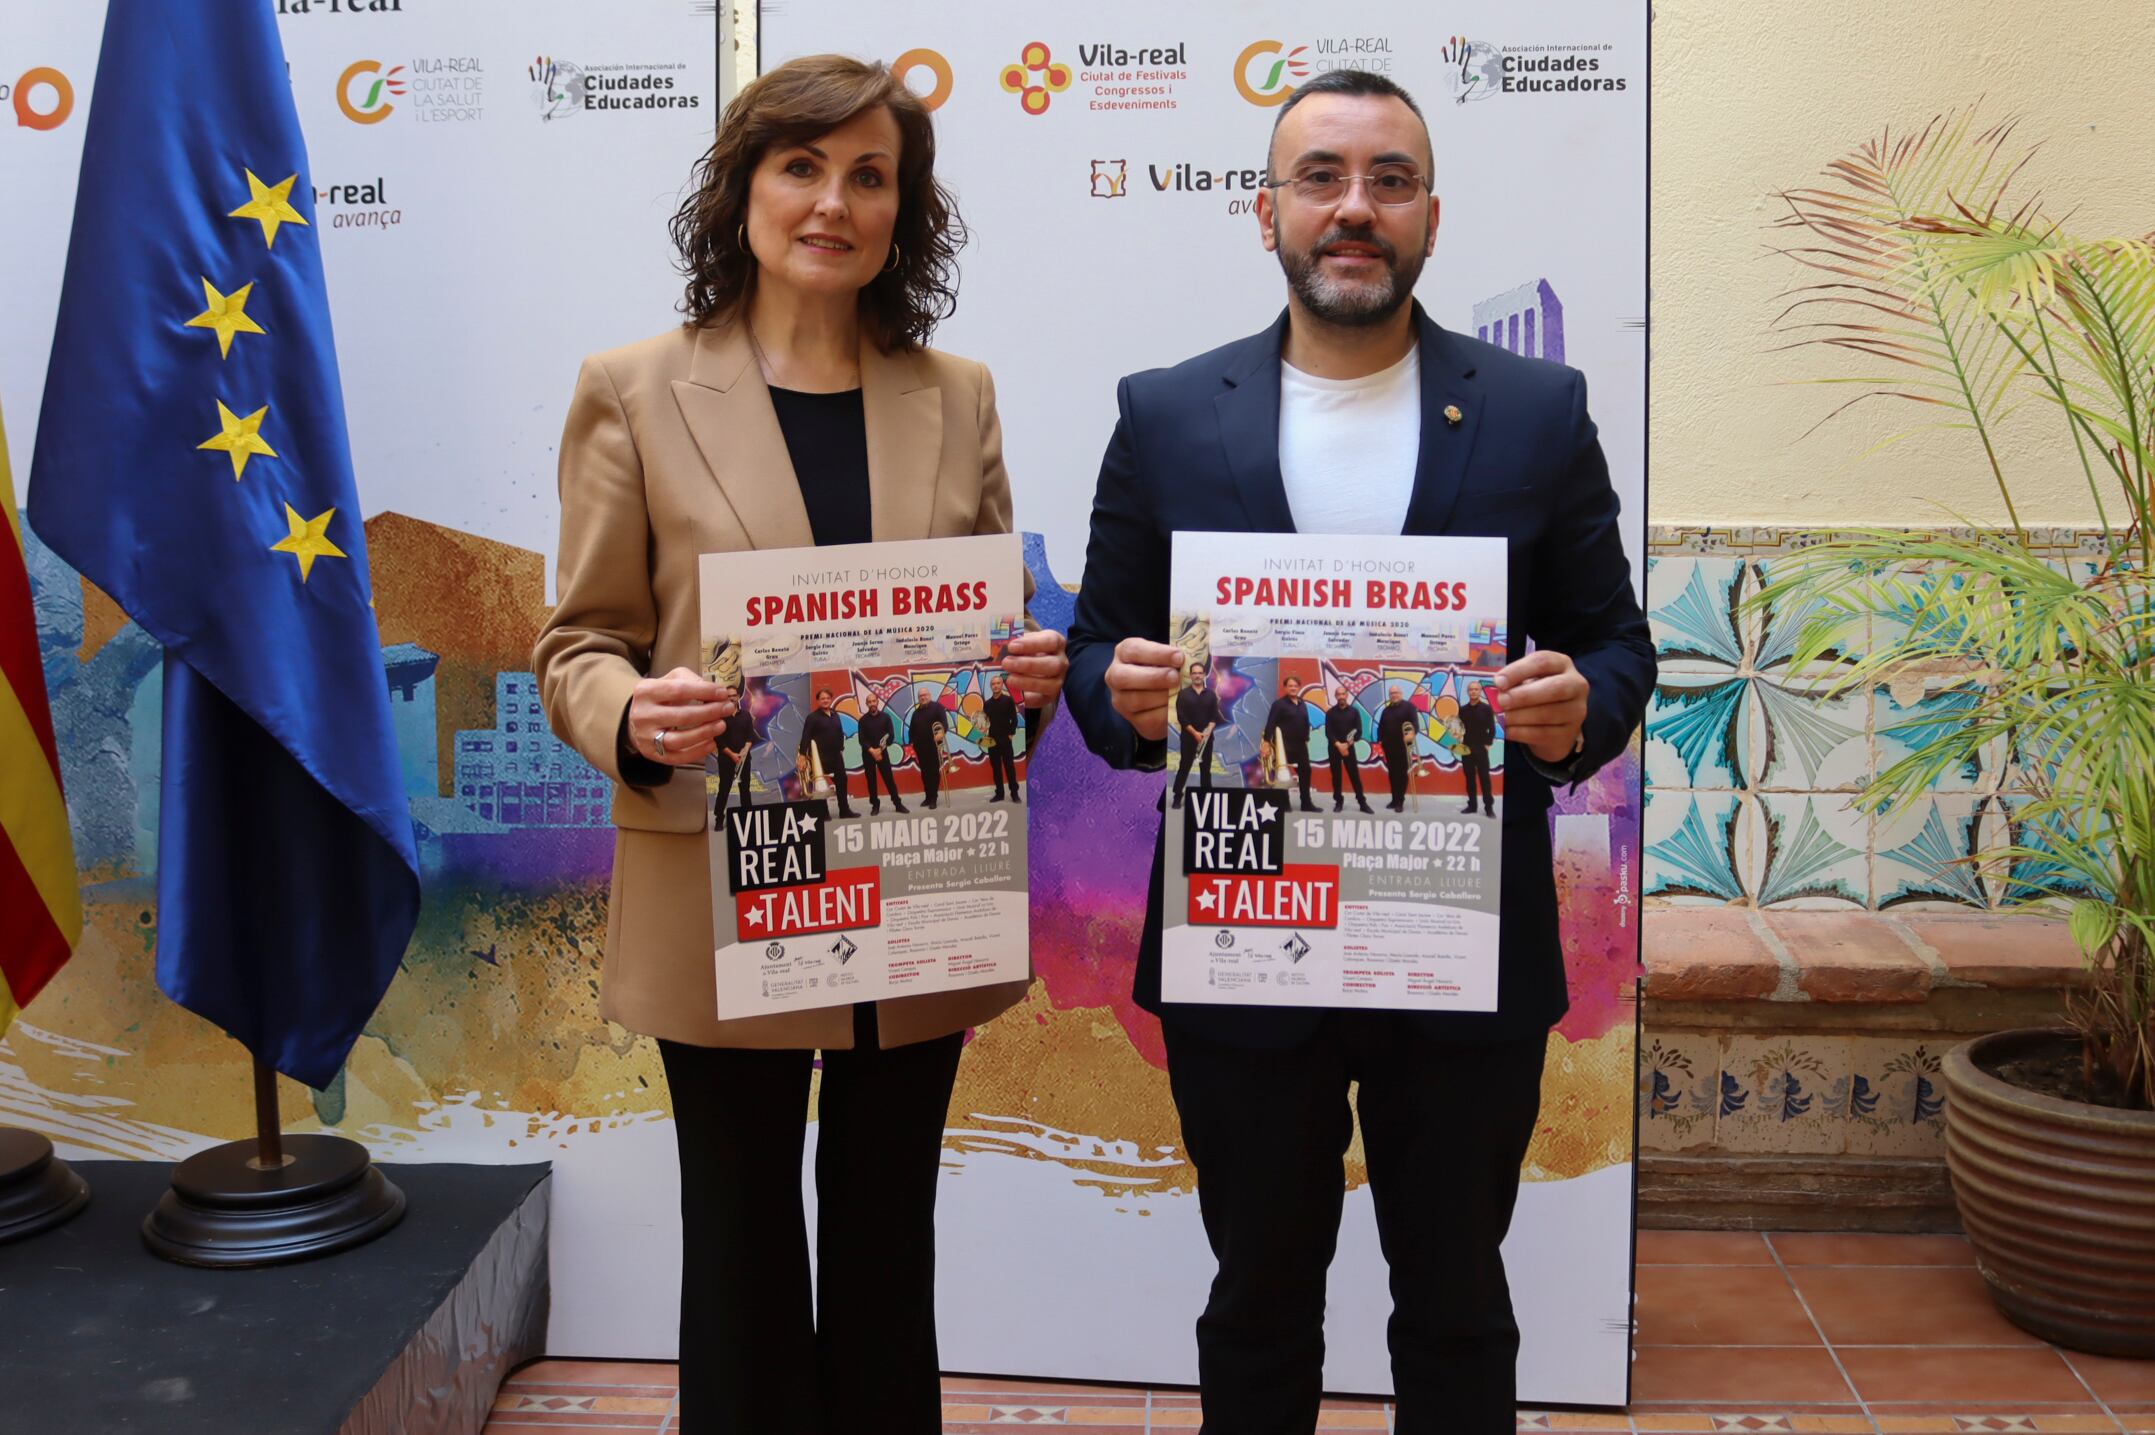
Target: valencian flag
{"x": 192, "y": 461}
{"x": 40, "y": 910}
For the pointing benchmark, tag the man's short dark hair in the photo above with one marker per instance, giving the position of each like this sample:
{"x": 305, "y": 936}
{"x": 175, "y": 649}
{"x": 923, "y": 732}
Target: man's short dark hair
{"x": 1348, "y": 82}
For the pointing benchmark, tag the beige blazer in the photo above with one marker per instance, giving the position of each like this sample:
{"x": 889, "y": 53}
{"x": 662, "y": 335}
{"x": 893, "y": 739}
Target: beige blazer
{"x": 672, "y": 450}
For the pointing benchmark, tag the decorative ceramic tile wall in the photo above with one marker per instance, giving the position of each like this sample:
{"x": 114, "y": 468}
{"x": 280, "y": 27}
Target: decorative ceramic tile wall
{"x": 1752, "y": 764}
{"x": 1792, "y": 1095}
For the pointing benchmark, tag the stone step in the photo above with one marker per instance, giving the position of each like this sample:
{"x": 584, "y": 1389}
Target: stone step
{"x": 1789, "y": 1060}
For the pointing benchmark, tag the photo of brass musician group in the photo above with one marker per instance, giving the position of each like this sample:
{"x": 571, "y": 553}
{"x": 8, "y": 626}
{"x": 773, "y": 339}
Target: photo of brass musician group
{"x": 837, "y": 740}
{"x": 1432, "y": 736}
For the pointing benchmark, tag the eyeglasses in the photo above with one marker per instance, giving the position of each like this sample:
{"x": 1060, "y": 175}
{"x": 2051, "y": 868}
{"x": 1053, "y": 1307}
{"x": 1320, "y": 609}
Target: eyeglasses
{"x": 1388, "y": 184}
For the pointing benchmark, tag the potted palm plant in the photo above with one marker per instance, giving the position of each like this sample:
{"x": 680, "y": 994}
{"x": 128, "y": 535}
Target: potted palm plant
{"x": 1930, "y": 285}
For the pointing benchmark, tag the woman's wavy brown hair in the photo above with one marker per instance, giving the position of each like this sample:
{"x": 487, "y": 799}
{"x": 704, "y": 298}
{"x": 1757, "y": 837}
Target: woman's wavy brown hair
{"x": 793, "y": 104}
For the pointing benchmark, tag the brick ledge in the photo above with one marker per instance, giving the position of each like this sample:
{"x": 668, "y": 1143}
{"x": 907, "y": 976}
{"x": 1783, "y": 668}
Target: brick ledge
{"x": 1740, "y": 954}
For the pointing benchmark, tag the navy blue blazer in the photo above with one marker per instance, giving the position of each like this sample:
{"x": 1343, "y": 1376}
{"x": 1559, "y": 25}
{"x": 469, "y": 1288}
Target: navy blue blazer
{"x": 1196, "y": 447}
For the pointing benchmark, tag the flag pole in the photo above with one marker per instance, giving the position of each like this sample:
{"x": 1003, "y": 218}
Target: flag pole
{"x": 272, "y": 1199}
{"x": 268, "y": 1129}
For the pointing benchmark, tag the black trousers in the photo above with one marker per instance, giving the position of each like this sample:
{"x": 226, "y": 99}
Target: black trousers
{"x": 1445, "y": 1126}
{"x": 1199, "y": 753}
{"x": 873, "y": 767}
{"x": 1002, "y": 761}
{"x": 1398, "y": 770}
{"x": 1474, "y": 761}
{"x": 728, "y": 769}
{"x": 1354, "y": 773}
{"x": 753, "y": 1350}
{"x": 931, "y": 774}
{"x": 834, "y": 767}
{"x": 1302, "y": 774}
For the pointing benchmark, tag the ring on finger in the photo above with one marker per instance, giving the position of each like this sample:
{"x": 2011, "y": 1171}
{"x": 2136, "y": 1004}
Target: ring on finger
{"x": 658, "y": 741}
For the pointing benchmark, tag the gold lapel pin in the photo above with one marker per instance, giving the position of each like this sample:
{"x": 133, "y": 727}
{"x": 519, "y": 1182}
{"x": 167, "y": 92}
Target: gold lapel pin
{"x": 1452, "y": 415}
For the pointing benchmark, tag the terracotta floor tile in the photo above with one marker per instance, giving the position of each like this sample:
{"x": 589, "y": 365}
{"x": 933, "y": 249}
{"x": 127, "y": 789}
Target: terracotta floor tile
{"x": 1703, "y": 1248}
{"x": 1809, "y": 1248}
{"x": 1660, "y": 1423}
{"x": 1104, "y": 1417}
{"x": 1697, "y": 1375}
{"x": 1005, "y": 1427}
{"x": 1023, "y": 1385}
{"x": 1970, "y": 1376}
{"x": 2076, "y": 1424}
{"x": 2012, "y": 1411}
{"x": 600, "y": 1372}
{"x": 1905, "y": 1305}
{"x": 1729, "y": 1409}
{"x": 1720, "y": 1305}
{"x": 1732, "y": 1407}
{"x": 1830, "y": 1424}
{"x": 526, "y": 1423}
{"x": 539, "y": 1390}
{"x": 1115, "y": 1401}
{"x": 2120, "y": 1382}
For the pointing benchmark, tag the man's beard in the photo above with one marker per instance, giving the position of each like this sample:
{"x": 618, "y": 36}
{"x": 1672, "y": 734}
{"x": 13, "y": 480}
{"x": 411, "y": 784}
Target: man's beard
{"x": 1348, "y": 303}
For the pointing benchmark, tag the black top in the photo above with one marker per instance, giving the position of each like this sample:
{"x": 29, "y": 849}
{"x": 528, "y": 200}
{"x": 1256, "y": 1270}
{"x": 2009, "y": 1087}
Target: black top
{"x": 1396, "y": 725}
{"x": 1289, "y": 718}
{"x": 1002, "y": 715}
{"x": 1197, "y": 708}
{"x": 920, "y": 731}
{"x": 827, "y": 734}
{"x": 875, "y": 731}
{"x": 827, "y": 439}
{"x": 1342, "y": 723}
{"x": 1478, "y": 725}
{"x": 739, "y": 731}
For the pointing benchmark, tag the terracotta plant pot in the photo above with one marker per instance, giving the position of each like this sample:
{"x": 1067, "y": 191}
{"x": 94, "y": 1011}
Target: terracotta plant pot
{"x": 2058, "y": 1199}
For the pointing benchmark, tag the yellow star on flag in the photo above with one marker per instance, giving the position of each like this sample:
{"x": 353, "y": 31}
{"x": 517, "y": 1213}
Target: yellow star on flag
{"x": 270, "y": 206}
{"x": 227, "y": 314}
{"x": 308, "y": 539}
{"x": 240, "y": 437}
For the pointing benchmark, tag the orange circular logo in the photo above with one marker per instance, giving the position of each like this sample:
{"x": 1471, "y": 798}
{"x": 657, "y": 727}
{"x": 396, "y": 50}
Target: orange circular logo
{"x": 28, "y": 115}
{"x": 373, "y": 101}
{"x": 936, "y": 65}
{"x": 1269, "y": 83}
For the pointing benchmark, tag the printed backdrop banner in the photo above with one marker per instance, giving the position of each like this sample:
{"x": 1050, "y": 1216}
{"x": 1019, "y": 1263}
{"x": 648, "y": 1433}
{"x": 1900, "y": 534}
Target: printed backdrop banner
{"x": 493, "y": 180}
{"x": 491, "y": 183}
{"x": 1107, "y": 161}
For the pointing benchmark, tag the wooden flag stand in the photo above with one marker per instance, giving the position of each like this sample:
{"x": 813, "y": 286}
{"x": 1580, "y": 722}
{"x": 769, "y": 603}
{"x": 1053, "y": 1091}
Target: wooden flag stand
{"x": 37, "y": 1189}
{"x": 274, "y": 1199}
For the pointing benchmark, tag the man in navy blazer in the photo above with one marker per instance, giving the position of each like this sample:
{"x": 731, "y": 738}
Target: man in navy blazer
{"x": 1354, "y": 412}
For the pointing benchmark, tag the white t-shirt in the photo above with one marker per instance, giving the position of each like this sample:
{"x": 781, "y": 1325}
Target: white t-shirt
{"x": 1348, "y": 447}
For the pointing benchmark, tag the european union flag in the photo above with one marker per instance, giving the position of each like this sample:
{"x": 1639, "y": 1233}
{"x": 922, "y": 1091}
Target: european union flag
{"x": 192, "y": 462}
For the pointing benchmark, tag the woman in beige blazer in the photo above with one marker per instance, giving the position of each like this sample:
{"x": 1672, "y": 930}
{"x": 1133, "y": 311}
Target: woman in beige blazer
{"x": 797, "y": 405}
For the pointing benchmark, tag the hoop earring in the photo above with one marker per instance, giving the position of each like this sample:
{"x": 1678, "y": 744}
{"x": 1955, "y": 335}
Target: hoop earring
{"x": 897, "y": 256}
{"x": 740, "y": 237}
